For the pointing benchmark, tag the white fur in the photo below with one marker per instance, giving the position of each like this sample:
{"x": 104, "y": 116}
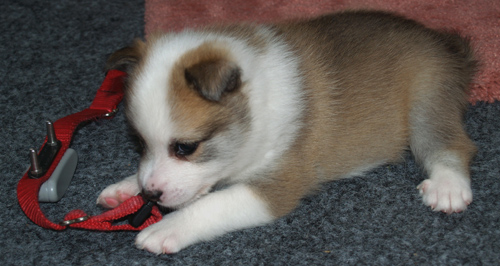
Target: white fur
{"x": 231, "y": 209}
{"x": 446, "y": 190}
{"x": 275, "y": 95}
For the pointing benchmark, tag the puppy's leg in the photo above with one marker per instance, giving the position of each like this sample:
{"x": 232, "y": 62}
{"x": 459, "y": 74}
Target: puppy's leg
{"x": 234, "y": 208}
{"x": 438, "y": 139}
{"x": 440, "y": 143}
{"x": 117, "y": 193}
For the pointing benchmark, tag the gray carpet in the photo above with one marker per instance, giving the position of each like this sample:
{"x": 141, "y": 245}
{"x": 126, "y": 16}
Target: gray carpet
{"x": 52, "y": 57}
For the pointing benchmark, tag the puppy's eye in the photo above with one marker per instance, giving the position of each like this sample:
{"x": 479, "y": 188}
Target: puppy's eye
{"x": 185, "y": 149}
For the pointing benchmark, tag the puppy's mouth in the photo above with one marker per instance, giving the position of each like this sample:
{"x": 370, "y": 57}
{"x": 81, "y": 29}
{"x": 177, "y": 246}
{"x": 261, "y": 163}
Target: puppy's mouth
{"x": 199, "y": 194}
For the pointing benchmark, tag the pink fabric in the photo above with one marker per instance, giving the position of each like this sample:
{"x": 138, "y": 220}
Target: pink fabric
{"x": 478, "y": 19}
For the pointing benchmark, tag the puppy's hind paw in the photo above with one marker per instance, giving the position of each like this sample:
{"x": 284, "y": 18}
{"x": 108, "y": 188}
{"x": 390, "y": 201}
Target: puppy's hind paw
{"x": 446, "y": 194}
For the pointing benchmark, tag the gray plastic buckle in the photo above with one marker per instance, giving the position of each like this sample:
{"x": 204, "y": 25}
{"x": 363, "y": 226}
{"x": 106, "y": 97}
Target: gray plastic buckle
{"x": 54, "y": 188}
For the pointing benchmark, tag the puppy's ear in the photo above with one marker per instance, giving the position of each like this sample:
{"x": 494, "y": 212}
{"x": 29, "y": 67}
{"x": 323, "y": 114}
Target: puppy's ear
{"x": 126, "y": 58}
{"x": 213, "y": 78}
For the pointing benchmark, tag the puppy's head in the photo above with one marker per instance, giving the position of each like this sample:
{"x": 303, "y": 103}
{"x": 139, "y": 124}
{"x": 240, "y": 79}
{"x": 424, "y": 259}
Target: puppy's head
{"x": 184, "y": 100}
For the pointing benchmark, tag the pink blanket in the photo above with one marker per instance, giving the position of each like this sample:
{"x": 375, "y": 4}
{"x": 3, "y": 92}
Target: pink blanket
{"x": 478, "y": 19}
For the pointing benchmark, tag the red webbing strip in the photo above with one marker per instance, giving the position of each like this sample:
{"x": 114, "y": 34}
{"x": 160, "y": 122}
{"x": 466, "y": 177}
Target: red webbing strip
{"x": 104, "y": 221}
{"x": 110, "y": 93}
{"x": 106, "y": 101}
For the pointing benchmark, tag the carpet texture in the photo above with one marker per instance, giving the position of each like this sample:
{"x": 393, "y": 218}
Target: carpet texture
{"x": 52, "y": 57}
{"x": 480, "y": 20}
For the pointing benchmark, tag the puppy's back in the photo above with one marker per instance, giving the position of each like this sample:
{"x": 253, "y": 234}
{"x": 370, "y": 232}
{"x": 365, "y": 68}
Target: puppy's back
{"x": 367, "y": 75}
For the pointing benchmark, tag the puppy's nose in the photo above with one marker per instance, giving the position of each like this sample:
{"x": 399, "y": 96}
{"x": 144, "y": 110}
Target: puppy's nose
{"x": 152, "y": 195}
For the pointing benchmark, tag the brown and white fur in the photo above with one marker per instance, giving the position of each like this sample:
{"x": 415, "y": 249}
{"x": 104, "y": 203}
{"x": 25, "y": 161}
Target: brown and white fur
{"x": 273, "y": 111}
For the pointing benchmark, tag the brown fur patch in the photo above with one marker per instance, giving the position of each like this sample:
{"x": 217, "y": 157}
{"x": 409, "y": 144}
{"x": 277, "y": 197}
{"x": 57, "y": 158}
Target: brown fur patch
{"x": 197, "y": 116}
{"x": 213, "y": 78}
{"x": 363, "y": 73}
{"x": 247, "y": 32}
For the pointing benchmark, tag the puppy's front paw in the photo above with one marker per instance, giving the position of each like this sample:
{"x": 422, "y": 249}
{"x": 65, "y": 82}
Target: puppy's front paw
{"x": 170, "y": 235}
{"x": 446, "y": 193}
{"x": 117, "y": 193}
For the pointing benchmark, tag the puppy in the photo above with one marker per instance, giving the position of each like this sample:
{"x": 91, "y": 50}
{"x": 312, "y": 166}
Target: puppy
{"x": 272, "y": 111}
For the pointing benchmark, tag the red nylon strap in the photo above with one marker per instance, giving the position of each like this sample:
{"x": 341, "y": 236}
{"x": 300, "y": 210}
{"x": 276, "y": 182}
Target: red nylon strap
{"x": 105, "y": 102}
{"x": 104, "y": 221}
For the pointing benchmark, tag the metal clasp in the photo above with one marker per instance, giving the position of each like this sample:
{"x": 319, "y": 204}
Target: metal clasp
{"x": 40, "y": 163}
{"x": 112, "y": 113}
{"x": 74, "y": 221}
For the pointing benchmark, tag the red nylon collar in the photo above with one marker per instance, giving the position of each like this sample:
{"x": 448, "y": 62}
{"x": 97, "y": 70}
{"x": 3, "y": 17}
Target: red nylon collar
{"x": 105, "y": 102}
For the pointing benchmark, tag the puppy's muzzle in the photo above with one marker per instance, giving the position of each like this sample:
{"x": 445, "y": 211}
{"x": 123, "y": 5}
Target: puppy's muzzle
{"x": 152, "y": 195}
